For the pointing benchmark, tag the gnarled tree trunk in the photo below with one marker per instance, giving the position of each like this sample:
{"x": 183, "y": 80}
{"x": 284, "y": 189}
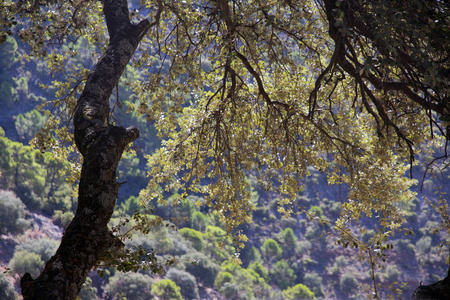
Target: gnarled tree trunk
{"x": 101, "y": 146}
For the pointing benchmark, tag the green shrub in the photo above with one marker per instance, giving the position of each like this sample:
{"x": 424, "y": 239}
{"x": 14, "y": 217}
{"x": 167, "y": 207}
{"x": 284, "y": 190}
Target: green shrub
{"x": 193, "y": 236}
{"x": 134, "y": 286}
{"x": 24, "y": 261}
{"x": 62, "y": 218}
{"x": 166, "y": 289}
{"x": 186, "y": 282}
{"x": 12, "y": 214}
{"x": 282, "y": 275}
{"x": 44, "y": 247}
{"x": 222, "y": 278}
{"x": 253, "y": 254}
{"x": 7, "y": 291}
{"x": 271, "y": 250}
{"x": 314, "y": 282}
{"x": 298, "y": 291}
{"x": 201, "y": 267}
{"x": 260, "y": 269}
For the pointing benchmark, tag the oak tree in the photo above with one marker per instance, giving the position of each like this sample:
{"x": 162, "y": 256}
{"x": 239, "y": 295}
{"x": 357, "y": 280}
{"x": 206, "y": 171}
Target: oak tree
{"x": 356, "y": 89}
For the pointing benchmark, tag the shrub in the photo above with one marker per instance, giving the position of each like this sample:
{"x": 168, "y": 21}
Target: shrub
{"x": 24, "y": 261}
{"x": 271, "y": 250}
{"x": 12, "y": 214}
{"x": 230, "y": 291}
{"x": 44, "y": 247}
{"x": 222, "y": 278}
{"x": 201, "y": 267}
{"x": 134, "y": 286}
{"x": 348, "y": 284}
{"x": 7, "y": 291}
{"x": 194, "y": 236}
{"x": 282, "y": 275}
{"x": 186, "y": 282}
{"x": 62, "y": 218}
{"x": 260, "y": 269}
{"x": 314, "y": 282}
{"x": 299, "y": 291}
{"x": 166, "y": 289}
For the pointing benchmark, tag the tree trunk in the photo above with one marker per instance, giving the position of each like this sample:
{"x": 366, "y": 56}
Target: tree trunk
{"x": 101, "y": 146}
{"x": 436, "y": 291}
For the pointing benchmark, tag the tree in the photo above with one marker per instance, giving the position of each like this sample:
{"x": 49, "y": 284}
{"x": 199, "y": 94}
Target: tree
{"x": 166, "y": 289}
{"x": 129, "y": 285}
{"x": 12, "y": 213}
{"x": 7, "y": 291}
{"x": 347, "y": 87}
{"x": 101, "y": 145}
{"x": 271, "y": 250}
{"x": 282, "y": 275}
{"x": 299, "y": 291}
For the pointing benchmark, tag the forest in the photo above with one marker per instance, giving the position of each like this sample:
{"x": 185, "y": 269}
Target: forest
{"x": 224, "y": 149}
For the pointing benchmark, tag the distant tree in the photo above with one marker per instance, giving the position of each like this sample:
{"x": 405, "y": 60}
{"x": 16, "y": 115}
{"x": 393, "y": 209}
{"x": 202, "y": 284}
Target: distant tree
{"x": 260, "y": 269}
{"x": 289, "y": 242}
{"x": 186, "y": 282}
{"x": 26, "y": 262}
{"x": 222, "y": 278}
{"x": 7, "y": 291}
{"x": 348, "y": 284}
{"x": 166, "y": 289}
{"x": 12, "y": 214}
{"x": 203, "y": 268}
{"x": 298, "y": 291}
{"x": 282, "y": 275}
{"x": 8, "y": 54}
{"x": 44, "y": 247}
{"x": 271, "y": 250}
{"x": 314, "y": 282}
{"x": 193, "y": 236}
{"x": 130, "y": 285}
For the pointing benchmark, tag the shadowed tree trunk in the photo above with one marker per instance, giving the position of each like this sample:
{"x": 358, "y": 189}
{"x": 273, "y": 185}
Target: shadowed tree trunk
{"x": 436, "y": 291}
{"x": 101, "y": 146}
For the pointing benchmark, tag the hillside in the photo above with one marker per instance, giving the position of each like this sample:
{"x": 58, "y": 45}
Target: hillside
{"x": 302, "y": 254}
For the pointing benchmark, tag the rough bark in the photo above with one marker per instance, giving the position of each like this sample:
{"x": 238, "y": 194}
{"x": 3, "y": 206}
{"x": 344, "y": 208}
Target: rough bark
{"x": 437, "y": 291}
{"x": 101, "y": 146}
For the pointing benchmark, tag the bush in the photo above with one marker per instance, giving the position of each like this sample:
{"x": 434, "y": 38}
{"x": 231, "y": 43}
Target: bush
{"x": 24, "y": 261}
{"x": 222, "y": 278}
{"x": 193, "y": 236}
{"x": 186, "y": 282}
{"x": 348, "y": 284}
{"x": 314, "y": 282}
{"x": 134, "y": 286}
{"x": 271, "y": 250}
{"x": 7, "y": 291}
{"x": 282, "y": 275}
{"x": 44, "y": 247}
{"x": 299, "y": 291}
{"x": 166, "y": 289}
{"x": 230, "y": 290}
{"x": 201, "y": 267}
{"x": 260, "y": 269}
{"x": 62, "y": 218}
{"x": 12, "y": 214}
